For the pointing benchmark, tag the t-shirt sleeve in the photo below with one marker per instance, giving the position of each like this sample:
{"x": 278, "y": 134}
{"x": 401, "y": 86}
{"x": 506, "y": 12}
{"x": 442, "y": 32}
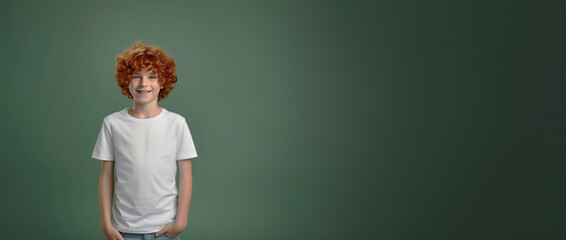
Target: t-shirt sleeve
{"x": 104, "y": 147}
{"x": 185, "y": 145}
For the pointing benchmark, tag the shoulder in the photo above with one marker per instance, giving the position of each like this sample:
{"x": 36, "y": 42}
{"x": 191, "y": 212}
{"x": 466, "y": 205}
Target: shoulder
{"x": 174, "y": 116}
{"x": 113, "y": 116}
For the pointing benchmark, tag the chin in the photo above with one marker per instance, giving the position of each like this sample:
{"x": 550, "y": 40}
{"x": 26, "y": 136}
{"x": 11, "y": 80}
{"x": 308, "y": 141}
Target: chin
{"x": 144, "y": 102}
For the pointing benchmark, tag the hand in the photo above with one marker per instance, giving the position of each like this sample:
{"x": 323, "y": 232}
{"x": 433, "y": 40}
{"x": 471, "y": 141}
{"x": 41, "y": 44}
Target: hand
{"x": 111, "y": 233}
{"x": 172, "y": 229}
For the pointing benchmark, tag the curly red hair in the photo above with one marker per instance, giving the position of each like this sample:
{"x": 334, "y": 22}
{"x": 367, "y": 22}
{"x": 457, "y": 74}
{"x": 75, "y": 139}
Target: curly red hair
{"x": 145, "y": 57}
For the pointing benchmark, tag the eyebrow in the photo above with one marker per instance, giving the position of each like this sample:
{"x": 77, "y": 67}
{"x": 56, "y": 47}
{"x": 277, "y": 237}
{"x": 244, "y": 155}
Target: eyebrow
{"x": 151, "y": 74}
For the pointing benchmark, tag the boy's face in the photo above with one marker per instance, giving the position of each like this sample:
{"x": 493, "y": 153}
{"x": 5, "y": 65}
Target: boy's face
{"x": 144, "y": 87}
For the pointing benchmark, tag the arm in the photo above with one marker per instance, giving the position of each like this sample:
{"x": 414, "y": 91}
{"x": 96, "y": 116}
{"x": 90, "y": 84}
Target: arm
{"x": 106, "y": 192}
{"x": 185, "y": 191}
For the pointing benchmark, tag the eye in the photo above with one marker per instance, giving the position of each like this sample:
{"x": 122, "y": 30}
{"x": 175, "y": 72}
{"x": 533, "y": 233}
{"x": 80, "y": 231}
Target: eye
{"x": 153, "y": 77}
{"x": 136, "y": 77}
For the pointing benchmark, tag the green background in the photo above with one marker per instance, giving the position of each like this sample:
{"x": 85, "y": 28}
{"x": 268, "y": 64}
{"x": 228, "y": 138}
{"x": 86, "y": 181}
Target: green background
{"x": 312, "y": 119}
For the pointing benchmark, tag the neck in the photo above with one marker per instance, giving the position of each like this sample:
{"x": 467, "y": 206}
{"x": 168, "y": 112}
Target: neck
{"x": 144, "y": 110}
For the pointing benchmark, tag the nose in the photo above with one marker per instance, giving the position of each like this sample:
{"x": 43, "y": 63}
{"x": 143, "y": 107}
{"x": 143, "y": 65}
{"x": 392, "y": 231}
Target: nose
{"x": 142, "y": 81}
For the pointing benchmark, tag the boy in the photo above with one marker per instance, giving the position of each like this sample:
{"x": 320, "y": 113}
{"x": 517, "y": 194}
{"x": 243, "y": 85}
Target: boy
{"x": 144, "y": 142}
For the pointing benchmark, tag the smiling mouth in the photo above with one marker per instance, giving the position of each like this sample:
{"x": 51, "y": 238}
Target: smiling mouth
{"x": 143, "y": 92}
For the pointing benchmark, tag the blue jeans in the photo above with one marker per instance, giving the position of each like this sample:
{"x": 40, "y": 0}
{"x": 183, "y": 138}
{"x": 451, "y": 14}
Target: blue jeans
{"x": 147, "y": 236}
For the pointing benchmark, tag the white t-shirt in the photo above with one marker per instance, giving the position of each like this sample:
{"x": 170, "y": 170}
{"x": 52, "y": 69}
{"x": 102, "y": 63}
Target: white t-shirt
{"x": 145, "y": 153}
